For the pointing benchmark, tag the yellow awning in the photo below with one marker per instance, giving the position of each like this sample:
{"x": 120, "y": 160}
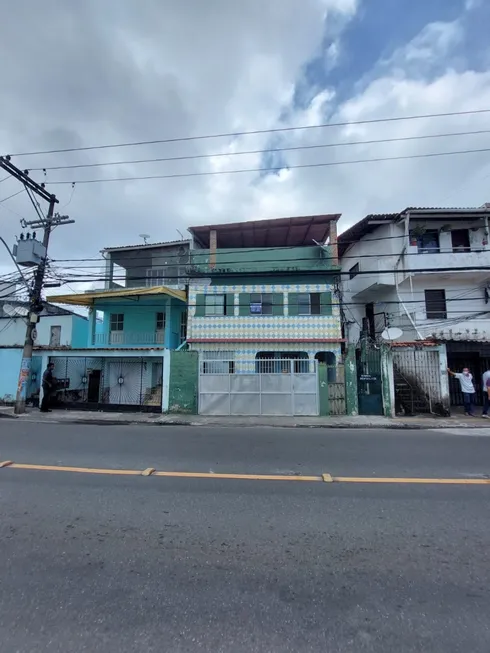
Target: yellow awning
{"x": 87, "y": 299}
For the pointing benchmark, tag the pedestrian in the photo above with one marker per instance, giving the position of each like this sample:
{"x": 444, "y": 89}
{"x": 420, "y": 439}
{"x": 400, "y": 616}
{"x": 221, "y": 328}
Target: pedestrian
{"x": 48, "y": 387}
{"x": 486, "y": 392}
{"x": 465, "y": 379}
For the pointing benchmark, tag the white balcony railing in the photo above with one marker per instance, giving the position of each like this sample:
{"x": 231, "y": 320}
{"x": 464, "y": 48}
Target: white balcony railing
{"x": 128, "y": 338}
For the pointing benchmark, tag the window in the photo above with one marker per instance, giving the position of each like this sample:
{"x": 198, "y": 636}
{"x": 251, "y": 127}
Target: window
{"x": 315, "y": 303}
{"x": 435, "y": 304}
{"x": 214, "y": 305}
{"x": 354, "y": 271}
{"x": 155, "y": 277}
{"x": 211, "y": 305}
{"x": 117, "y": 321}
{"x": 183, "y": 327}
{"x": 428, "y": 242}
{"x": 261, "y": 304}
{"x": 460, "y": 240}
{"x": 309, "y": 303}
{"x": 160, "y": 327}
{"x": 55, "y": 336}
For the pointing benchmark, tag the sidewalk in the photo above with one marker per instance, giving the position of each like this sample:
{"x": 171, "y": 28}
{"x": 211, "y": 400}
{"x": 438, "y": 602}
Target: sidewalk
{"x": 157, "y": 419}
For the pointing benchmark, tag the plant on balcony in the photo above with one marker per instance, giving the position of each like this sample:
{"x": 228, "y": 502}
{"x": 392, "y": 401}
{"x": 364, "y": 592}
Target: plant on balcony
{"x": 417, "y": 231}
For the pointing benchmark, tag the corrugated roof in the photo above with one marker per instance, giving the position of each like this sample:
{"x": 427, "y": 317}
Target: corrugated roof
{"x": 276, "y": 232}
{"x": 362, "y": 228}
{"x": 87, "y": 299}
{"x": 49, "y": 309}
{"x": 147, "y": 246}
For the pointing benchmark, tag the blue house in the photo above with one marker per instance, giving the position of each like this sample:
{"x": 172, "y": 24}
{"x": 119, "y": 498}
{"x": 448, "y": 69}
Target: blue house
{"x": 134, "y": 322}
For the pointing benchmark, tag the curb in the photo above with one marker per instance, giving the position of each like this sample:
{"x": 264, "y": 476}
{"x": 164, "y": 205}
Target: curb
{"x": 403, "y": 426}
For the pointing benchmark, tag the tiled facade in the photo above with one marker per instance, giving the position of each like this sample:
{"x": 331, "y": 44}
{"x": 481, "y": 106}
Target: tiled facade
{"x": 246, "y": 335}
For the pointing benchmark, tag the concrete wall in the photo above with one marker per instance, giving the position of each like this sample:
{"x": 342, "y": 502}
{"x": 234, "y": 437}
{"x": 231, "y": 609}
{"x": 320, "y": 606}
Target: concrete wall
{"x": 183, "y": 382}
{"x": 13, "y": 330}
{"x": 465, "y": 291}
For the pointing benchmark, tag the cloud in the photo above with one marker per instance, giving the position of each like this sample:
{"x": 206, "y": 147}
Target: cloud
{"x": 90, "y": 73}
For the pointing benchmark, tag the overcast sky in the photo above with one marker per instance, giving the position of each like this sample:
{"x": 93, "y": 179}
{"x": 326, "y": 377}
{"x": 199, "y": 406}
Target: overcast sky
{"x": 81, "y": 73}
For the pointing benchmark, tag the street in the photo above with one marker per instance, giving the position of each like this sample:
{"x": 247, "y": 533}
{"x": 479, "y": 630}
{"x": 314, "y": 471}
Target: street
{"x": 96, "y": 562}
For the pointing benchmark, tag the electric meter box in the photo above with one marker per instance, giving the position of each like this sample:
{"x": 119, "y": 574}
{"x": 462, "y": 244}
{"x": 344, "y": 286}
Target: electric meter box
{"x": 29, "y": 252}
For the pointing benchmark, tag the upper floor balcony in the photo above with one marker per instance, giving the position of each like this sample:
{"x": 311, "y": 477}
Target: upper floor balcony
{"x": 261, "y": 260}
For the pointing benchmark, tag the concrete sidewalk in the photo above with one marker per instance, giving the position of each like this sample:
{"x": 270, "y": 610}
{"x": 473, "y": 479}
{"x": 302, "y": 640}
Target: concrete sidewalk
{"x": 157, "y": 419}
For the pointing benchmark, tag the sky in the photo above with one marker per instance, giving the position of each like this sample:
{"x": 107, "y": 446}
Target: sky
{"x": 81, "y": 74}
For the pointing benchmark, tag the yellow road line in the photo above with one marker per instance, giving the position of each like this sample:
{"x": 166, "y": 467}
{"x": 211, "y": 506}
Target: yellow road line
{"x": 81, "y": 470}
{"x": 436, "y": 481}
{"x": 246, "y": 477}
{"x": 326, "y": 478}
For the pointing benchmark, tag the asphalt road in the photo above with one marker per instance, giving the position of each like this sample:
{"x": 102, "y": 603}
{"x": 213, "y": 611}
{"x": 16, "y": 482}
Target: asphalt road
{"x": 129, "y": 564}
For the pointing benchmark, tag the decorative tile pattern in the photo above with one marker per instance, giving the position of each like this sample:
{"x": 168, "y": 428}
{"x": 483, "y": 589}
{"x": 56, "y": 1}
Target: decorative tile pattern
{"x": 250, "y": 327}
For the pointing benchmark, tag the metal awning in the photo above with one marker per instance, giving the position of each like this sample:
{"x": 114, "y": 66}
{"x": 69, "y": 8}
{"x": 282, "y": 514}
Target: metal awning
{"x": 88, "y": 298}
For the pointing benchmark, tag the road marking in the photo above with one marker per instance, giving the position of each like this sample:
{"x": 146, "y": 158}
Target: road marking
{"x": 434, "y": 481}
{"x": 81, "y": 470}
{"x": 245, "y": 477}
{"x": 326, "y": 478}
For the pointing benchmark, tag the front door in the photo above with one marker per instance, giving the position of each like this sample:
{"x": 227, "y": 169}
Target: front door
{"x": 369, "y": 386}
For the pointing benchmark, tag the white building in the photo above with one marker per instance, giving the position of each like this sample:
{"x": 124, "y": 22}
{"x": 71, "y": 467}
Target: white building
{"x": 427, "y": 272}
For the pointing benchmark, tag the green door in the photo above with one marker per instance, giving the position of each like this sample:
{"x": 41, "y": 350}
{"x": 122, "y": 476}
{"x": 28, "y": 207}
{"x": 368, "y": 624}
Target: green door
{"x": 369, "y": 387}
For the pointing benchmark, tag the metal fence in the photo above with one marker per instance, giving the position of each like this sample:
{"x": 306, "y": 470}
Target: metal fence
{"x": 417, "y": 377}
{"x": 258, "y": 387}
{"x": 108, "y": 383}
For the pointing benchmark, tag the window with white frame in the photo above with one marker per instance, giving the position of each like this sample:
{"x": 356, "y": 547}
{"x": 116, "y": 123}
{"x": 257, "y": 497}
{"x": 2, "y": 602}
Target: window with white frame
{"x": 116, "y": 328}
{"x": 183, "y": 327}
{"x": 155, "y": 277}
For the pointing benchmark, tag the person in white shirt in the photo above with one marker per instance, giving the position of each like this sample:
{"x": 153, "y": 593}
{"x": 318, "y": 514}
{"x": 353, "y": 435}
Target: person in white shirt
{"x": 465, "y": 379}
{"x": 486, "y": 394}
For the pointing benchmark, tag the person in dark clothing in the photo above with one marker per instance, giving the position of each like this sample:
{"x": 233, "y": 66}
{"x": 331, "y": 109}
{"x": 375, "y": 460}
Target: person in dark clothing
{"x": 48, "y": 387}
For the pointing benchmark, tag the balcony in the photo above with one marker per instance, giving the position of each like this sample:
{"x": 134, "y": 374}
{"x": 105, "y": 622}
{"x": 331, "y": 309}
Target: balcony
{"x": 261, "y": 259}
{"x": 128, "y": 339}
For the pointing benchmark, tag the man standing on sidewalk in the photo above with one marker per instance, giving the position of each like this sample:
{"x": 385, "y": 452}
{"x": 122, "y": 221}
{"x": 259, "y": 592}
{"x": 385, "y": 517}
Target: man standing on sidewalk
{"x": 486, "y": 392}
{"x": 48, "y": 386}
{"x": 467, "y": 388}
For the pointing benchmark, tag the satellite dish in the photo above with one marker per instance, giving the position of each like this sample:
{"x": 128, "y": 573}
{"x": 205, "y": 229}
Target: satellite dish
{"x": 392, "y": 333}
{"x": 9, "y": 309}
{"x": 145, "y": 237}
{"x": 15, "y": 311}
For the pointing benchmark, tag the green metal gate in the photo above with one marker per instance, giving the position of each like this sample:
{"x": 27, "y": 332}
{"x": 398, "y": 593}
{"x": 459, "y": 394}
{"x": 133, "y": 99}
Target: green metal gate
{"x": 369, "y": 385}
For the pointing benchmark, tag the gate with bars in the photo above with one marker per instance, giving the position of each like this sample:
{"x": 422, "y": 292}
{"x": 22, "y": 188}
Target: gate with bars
{"x": 101, "y": 383}
{"x": 417, "y": 376}
{"x": 258, "y": 387}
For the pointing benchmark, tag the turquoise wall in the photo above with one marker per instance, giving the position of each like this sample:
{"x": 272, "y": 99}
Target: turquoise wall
{"x": 140, "y": 318}
{"x": 265, "y": 259}
{"x": 10, "y": 365}
{"x": 80, "y": 331}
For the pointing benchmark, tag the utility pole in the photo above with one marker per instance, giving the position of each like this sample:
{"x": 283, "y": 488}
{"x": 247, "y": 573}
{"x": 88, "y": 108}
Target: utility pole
{"x": 35, "y": 304}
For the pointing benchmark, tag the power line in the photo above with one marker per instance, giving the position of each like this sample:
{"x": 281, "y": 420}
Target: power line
{"x": 254, "y": 132}
{"x": 13, "y": 195}
{"x": 262, "y": 151}
{"x": 276, "y": 169}
{"x": 316, "y": 272}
